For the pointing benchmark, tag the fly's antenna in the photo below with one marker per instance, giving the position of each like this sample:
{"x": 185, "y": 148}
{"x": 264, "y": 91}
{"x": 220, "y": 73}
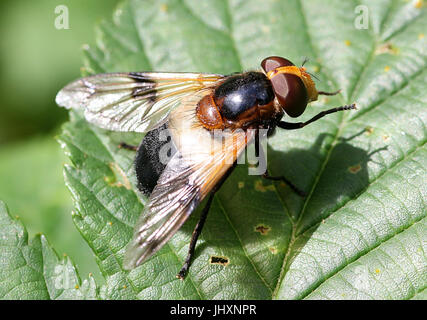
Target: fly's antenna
{"x": 313, "y": 75}
{"x": 306, "y": 59}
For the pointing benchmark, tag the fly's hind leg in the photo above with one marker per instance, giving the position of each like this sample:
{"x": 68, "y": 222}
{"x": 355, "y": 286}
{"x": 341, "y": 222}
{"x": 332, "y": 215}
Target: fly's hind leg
{"x": 198, "y": 229}
{"x": 124, "y": 145}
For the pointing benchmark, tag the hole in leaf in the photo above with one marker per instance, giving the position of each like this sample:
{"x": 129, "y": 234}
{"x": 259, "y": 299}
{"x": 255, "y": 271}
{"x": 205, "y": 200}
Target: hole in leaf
{"x": 219, "y": 260}
{"x": 387, "y": 48}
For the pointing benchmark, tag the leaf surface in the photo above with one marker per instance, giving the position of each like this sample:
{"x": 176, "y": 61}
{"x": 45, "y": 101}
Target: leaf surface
{"x": 361, "y": 231}
{"x": 33, "y": 270}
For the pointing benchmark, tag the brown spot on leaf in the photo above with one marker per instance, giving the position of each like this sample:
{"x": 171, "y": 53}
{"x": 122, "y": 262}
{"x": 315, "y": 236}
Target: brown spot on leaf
{"x": 325, "y": 99}
{"x": 263, "y": 229}
{"x": 387, "y": 48}
{"x": 261, "y": 188}
{"x": 369, "y": 131}
{"x": 118, "y": 179}
{"x": 273, "y": 250}
{"x": 355, "y": 169}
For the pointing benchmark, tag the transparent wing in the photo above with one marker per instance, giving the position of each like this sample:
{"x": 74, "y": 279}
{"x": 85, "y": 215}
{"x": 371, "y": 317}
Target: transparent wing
{"x": 197, "y": 166}
{"x": 136, "y": 101}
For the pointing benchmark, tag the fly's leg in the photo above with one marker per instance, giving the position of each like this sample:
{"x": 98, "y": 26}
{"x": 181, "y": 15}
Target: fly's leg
{"x": 259, "y": 152}
{"x": 299, "y": 125}
{"x": 287, "y": 182}
{"x": 198, "y": 229}
{"x": 124, "y": 145}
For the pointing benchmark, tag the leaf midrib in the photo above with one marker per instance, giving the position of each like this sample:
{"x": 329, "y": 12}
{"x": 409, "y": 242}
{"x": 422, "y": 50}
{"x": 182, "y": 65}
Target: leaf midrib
{"x": 294, "y": 236}
{"x": 342, "y": 125}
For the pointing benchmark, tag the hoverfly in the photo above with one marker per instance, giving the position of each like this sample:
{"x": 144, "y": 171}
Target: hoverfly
{"x": 191, "y": 106}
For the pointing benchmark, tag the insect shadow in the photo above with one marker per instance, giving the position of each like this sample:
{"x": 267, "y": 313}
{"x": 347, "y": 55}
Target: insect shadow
{"x": 331, "y": 178}
{"x": 328, "y": 186}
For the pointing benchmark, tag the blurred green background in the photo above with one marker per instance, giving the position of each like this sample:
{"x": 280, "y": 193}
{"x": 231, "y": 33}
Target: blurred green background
{"x": 36, "y": 60}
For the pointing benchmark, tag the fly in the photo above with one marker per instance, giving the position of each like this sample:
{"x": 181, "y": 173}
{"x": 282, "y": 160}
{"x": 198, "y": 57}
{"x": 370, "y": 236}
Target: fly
{"x": 191, "y": 108}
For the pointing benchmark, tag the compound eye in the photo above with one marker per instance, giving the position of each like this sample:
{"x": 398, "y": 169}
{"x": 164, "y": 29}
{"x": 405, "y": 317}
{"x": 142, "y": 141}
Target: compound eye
{"x": 274, "y": 62}
{"x": 291, "y": 93}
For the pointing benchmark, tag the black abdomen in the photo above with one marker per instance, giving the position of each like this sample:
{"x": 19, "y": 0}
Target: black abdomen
{"x": 148, "y": 165}
{"x": 242, "y": 92}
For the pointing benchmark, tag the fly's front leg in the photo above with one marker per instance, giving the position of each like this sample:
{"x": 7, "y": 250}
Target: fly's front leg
{"x": 259, "y": 152}
{"x": 299, "y": 125}
{"x": 295, "y": 189}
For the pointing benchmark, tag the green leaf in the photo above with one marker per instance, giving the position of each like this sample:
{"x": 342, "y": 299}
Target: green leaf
{"x": 361, "y": 231}
{"x": 33, "y": 270}
{"x": 47, "y": 204}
